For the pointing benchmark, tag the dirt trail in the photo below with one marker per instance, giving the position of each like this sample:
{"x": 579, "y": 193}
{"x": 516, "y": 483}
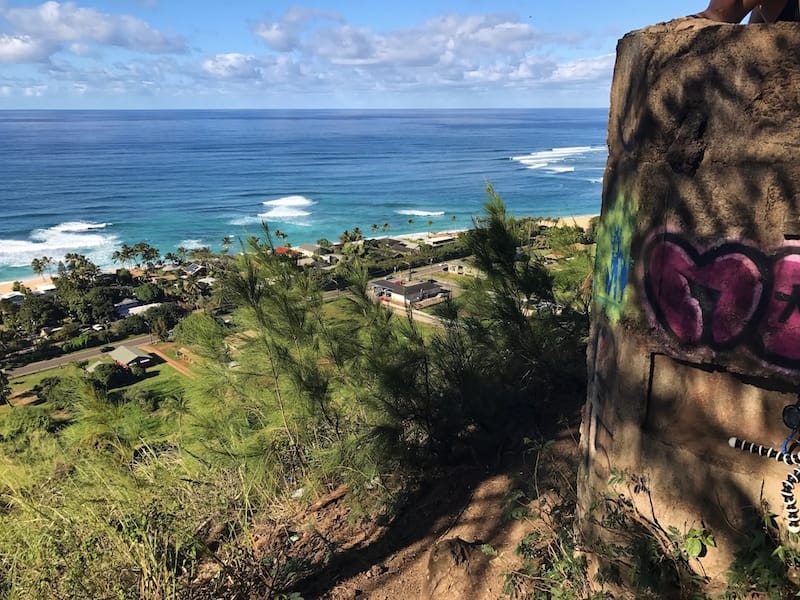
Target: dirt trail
{"x": 470, "y": 503}
{"x": 172, "y": 363}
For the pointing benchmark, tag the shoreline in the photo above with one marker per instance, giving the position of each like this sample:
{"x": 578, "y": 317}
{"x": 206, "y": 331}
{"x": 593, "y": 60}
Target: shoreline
{"x": 580, "y": 220}
{"x": 29, "y": 282}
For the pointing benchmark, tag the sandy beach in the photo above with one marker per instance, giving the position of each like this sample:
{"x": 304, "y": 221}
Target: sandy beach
{"x": 581, "y": 221}
{"x": 30, "y": 283}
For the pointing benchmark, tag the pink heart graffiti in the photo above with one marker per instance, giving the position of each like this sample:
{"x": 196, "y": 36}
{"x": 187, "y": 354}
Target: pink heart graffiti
{"x": 779, "y": 328}
{"x": 730, "y": 295}
{"x": 709, "y": 298}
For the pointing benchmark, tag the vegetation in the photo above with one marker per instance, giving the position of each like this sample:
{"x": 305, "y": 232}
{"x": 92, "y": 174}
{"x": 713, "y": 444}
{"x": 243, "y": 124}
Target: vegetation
{"x": 168, "y": 486}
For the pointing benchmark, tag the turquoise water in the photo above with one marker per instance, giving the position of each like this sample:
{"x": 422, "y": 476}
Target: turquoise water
{"x": 88, "y": 181}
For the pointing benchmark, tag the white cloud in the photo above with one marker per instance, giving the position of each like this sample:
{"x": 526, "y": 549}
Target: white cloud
{"x": 285, "y": 35}
{"x": 35, "y": 91}
{"x": 54, "y": 22}
{"x": 585, "y": 69}
{"x": 231, "y": 65}
{"x": 309, "y": 58}
{"x": 22, "y": 49}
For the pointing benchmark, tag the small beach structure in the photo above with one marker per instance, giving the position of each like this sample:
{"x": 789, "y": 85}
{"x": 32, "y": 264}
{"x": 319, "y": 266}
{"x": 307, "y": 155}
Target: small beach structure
{"x": 440, "y": 240}
{"x": 128, "y": 356}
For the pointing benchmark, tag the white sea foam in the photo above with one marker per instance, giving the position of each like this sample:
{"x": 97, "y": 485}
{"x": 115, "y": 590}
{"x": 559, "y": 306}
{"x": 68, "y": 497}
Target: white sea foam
{"x": 421, "y": 213}
{"x": 288, "y": 209}
{"x": 242, "y": 221}
{"x": 288, "y": 201}
{"x": 192, "y": 244}
{"x": 552, "y": 161}
{"x": 284, "y": 213}
{"x": 74, "y": 236}
{"x": 595, "y": 180}
{"x": 78, "y": 227}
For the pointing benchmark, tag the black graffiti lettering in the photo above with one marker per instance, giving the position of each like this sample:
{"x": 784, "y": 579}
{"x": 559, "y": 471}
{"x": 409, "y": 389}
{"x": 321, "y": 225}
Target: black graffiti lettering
{"x": 792, "y": 302}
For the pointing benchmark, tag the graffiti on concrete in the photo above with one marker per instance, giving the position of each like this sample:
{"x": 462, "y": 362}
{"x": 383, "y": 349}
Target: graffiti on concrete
{"x": 729, "y": 296}
{"x": 613, "y": 261}
{"x": 602, "y": 370}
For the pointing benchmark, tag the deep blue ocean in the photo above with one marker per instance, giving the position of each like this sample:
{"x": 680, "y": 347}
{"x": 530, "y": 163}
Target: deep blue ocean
{"x": 88, "y": 181}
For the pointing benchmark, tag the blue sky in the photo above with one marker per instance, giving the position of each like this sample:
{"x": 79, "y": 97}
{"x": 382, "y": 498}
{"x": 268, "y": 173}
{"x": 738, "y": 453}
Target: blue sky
{"x": 315, "y": 54}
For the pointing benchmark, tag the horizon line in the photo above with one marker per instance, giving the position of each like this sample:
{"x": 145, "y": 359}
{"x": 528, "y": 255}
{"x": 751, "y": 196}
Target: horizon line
{"x": 41, "y": 109}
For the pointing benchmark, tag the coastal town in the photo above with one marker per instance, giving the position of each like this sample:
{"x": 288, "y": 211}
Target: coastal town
{"x": 73, "y": 309}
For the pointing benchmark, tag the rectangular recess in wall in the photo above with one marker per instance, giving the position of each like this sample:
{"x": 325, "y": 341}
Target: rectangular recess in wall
{"x": 698, "y": 408}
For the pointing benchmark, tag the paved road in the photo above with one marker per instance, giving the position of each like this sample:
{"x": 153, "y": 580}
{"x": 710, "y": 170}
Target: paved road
{"x": 87, "y": 354}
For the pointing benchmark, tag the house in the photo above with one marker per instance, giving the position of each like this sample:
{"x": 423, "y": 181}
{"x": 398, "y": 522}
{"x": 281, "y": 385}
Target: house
{"x": 127, "y": 356}
{"x": 399, "y": 293}
{"x": 13, "y": 297}
{"x": 403, "y": 246}
{"x": 310, "y": 250}
{"x": 45, "y": 289}
{"x": 437, "y": 241}
{"x": 194, "y": 270}
{"x": 143, "y": 308}
{"x": 123, "y": 309}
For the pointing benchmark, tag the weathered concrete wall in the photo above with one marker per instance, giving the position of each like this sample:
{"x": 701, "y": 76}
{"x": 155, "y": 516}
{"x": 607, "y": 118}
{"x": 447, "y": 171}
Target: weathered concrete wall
{"x": 696, "y": 328}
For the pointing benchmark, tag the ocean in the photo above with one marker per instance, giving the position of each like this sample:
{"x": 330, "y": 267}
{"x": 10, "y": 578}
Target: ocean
{"x": 88, "y": 181}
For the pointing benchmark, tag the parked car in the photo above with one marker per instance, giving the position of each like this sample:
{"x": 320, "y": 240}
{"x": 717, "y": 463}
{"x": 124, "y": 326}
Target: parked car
{"x": 106, "y": 348}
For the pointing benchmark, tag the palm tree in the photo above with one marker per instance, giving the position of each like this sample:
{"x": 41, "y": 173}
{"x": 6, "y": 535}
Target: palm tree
{"x": 36, "y": 266}
{"x": 124, "y": 255}
{"x": 375, "y": 228}
{"x": 47, "y": 264}
{"x": 411, "y": 221}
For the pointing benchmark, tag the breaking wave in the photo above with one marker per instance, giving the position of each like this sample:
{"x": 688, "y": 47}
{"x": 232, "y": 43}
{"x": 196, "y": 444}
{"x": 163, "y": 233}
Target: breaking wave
{"x": 421, "y": 213}
{"x": 288, "y": 209}
{"x": 557, "y": 160}
{"x": 71, "y": 236}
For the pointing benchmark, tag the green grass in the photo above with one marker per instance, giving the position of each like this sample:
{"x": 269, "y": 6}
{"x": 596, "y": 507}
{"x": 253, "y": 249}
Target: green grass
{"x": 28, "y": 382}
{"x": 337, "y": 309}
{"x": 161, "y": 379}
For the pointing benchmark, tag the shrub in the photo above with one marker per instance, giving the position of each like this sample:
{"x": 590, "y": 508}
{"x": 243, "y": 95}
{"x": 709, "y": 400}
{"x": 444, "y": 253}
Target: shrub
{"x": 26, "y": 419}
{"x": 128, "y": 326}
{"x": 148, "y": 293}
{"x": 110, "y": 375}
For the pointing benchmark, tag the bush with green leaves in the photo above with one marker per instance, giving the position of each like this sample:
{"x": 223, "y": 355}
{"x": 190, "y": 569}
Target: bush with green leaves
{"x": 148, "y": 293}
{"x": 110, "y": 375}
{"x": 132, "y": 325}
